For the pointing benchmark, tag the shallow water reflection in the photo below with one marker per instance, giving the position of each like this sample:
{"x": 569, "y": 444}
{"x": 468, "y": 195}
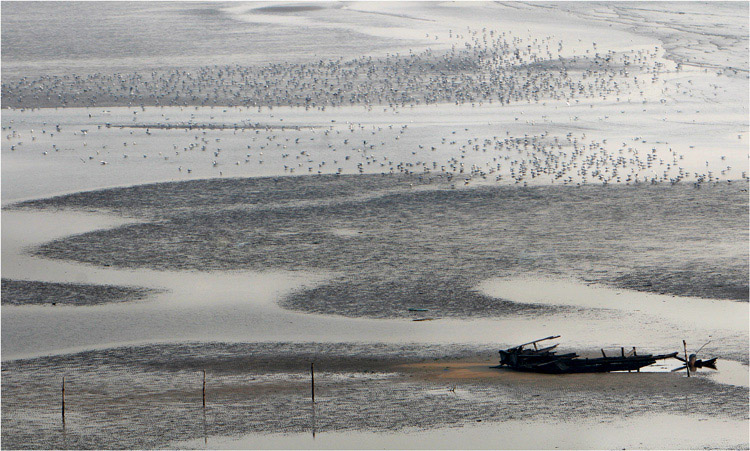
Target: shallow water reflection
{"x": 654, "y": 432}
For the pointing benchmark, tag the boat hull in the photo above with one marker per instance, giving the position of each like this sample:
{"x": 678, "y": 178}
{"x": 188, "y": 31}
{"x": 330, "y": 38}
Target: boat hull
{"x": 604, "y": 365}
{"x": 547, "y": 361}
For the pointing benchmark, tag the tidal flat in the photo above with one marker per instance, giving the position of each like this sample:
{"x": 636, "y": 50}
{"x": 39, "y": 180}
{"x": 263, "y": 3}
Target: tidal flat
{"x": 24, "y": 292}
{"x": 389, "y": 191}
{"x": 387, "y": 243}
{"x": 151, "y": 396}
{"x": 394, "y": 243}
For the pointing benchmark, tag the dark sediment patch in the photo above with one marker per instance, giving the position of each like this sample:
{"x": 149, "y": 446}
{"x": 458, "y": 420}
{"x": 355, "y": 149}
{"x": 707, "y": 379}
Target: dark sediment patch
{"x": 690, "y": 280}
{"x": 149, "y": 396}
{"x": 440, "y": 295}
{"x": 169, "y": 199}
{"x": 26, "y": 292}
{"x": 425, "y": 248}
{"x": 287, "y": 9}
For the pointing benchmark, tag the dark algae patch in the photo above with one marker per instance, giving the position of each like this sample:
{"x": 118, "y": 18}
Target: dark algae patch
{"x": 394, "y": 242}
{"x": 25, "y": 292}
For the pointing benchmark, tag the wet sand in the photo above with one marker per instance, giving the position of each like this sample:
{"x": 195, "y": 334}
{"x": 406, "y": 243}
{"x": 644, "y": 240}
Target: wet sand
{"x": 244, "y": 305}
{"x": 435, "y": 244}
{"x": 426, "y": 385}
{"x": 134, "y": 397}
{"x": 20, "y": 292}
{"x": 451, "y": 155}
{"x": 405, "y": 386}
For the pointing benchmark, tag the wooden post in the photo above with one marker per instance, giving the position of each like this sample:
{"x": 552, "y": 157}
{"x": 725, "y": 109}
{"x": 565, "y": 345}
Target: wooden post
{"x": 312, "y": 381}
{"x": 63, "y": 400}
{"x": 204, "y": 389}
{"x": 603, "y": 354}
{"x": 205, "y": 429}
{"x": 687, "y": 364}
{"x": 313, "y": 420}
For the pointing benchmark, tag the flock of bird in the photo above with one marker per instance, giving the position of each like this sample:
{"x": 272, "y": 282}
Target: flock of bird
{"x": 459, "y": 157}
{"x": 490, "y": 67}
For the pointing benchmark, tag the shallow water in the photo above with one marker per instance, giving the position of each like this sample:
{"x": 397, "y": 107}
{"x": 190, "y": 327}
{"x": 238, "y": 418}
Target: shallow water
{"x": 127, "y": 36}
{"x": 654, "y": 432}
{"x": 698, "y": 313}
{"x": 70, "y": 161}
{"x": 693, "y": 120}
{"x": 243, "y": 33}
{"x": 242, "y": 306}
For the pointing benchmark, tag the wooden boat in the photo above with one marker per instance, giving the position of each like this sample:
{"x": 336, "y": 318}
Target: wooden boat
{"x": 546, "y": 360}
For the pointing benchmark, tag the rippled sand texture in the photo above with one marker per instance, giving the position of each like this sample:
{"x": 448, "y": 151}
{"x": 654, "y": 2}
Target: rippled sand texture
{"x": 147, "y": 397}
{"x": 19, "y": 292}
{"x": 424, "y": 248}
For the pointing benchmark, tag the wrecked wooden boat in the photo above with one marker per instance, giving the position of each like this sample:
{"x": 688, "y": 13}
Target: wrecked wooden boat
{"x": 546, "y": 360}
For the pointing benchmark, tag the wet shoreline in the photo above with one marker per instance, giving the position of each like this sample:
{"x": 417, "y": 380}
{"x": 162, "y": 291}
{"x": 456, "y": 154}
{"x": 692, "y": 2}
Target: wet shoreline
{"x": 302, "y": 241}
{"x": 129, "y": 397}
{"x": 272, "y": 301}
